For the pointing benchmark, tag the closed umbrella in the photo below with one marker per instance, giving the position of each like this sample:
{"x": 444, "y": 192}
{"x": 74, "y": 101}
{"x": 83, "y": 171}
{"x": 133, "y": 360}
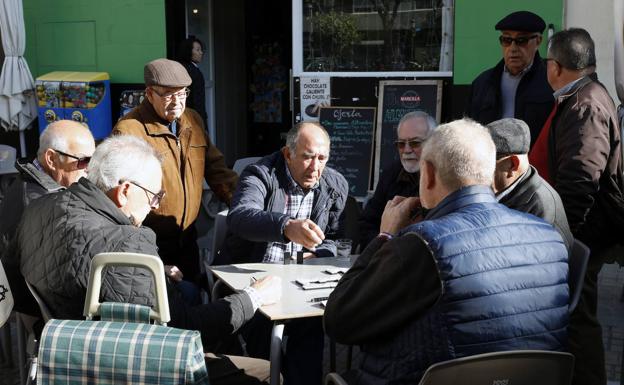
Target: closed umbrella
{"x": 17, "y": 97}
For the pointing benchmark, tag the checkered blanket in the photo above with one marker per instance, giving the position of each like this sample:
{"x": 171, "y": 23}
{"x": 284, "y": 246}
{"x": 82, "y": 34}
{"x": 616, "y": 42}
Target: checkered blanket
{"x": 104, "y": 352}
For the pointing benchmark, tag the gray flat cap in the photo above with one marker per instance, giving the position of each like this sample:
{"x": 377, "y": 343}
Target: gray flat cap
{"x": 166, "y": 73}
{"x": 511, "y": 136}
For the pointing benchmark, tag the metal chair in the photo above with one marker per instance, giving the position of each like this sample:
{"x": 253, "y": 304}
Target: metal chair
{"x": 517, "y": 367}
{"x": 577, "y": 263}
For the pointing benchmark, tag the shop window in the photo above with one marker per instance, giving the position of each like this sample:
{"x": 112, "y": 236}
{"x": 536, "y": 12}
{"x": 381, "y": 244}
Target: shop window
{"x": 369, "y": 37}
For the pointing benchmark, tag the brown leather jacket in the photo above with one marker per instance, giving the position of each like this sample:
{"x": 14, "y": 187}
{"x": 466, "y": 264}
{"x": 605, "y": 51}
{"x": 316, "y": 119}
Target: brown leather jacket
{"x": 186, "y": 160}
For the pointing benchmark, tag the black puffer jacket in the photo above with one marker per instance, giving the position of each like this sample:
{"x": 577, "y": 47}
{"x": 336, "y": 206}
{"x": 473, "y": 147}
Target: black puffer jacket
{"x": 59, "y": 235}
{"x": 30, "y": 184}
{"x": 257, "y": 214}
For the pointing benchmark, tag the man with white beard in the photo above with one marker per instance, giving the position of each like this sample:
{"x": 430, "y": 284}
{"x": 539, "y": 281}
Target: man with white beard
{"x": 400, "y": 178}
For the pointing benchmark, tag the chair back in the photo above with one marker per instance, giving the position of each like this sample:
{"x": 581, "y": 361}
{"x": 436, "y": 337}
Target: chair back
{"x": 519, "y": 367}
{"x": 241, "y": 163}
{"x": 220, "y": 230}
{"x": 122, "y": 347}
{"x": 577, "y": 265}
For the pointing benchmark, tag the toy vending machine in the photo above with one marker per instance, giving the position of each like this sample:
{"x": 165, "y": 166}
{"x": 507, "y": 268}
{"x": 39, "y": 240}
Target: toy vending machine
{"x": 80, "y": 96}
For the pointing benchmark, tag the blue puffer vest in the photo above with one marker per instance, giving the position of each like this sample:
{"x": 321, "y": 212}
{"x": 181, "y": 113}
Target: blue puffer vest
{"x": 504, "y": 279}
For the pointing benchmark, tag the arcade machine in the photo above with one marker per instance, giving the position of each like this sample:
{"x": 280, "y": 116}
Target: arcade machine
{"x": 80, "y": 96}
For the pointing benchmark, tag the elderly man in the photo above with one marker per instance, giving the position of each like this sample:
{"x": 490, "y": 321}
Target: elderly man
{"x": 401, "y": 178}
{"x": 289, "y": 202}
{"x": 517, "y": 86}
{"x": 579, "y": 154}
{"x": 61, "y": 232}
{"x": 504, "y": 272}
{"x": 517, "y": 184}
{"x": 65, "y": 148}
{"x": 178, "y": 135}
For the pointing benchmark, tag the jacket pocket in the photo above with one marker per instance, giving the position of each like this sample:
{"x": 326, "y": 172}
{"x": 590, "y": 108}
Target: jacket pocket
{"x": 197, "y": 151}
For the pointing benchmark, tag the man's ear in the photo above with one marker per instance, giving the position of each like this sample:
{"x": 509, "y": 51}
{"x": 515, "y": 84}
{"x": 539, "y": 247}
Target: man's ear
{"x": 538, "y": 40}
{"x": 287, "y": 154}
{"x": 48, "y": 159}
{"x": 514, "y": 163}
{"x": 430, "y": 178}
{"x": 119, "y": 194}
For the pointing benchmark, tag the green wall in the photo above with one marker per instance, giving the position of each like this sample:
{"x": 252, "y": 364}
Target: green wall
{"x": 476, "y": 41}
{"x": 114, "y": 36}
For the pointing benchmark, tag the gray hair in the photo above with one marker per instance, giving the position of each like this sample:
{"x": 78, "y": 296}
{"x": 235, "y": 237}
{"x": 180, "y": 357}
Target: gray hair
{"x": 120, "y": 157}
{"x": 292, "y": 136}
{"x": 463, "y": 154}
{"x": 50, "y": 138}
{"x": 431, "y": 122}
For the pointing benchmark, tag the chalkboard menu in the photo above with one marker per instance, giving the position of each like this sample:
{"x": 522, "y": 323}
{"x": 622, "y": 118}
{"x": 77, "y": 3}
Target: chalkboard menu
{"x": 397, "y": 98}
{"x": 351, "y": 130}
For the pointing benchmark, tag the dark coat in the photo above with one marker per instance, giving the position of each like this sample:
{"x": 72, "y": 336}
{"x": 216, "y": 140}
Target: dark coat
{"x": 30, "y": 184}
{"x": 484, "y": 300}
{"x": 257, "y": 211}
{"x": 534, "y": 97}
{"x": 584, "y": 159}
{"x": 535, "y": 196}
{"x": 394, "y": 181}
{"x": 59, "y": 235}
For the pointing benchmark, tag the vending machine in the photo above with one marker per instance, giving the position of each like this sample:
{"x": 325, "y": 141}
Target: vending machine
{"x": 80, "y": 96}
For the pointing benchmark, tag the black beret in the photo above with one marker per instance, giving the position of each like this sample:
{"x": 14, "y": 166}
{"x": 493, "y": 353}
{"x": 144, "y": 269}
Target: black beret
{"x": 510, "y": 136}
{"x": 521, "y": 21}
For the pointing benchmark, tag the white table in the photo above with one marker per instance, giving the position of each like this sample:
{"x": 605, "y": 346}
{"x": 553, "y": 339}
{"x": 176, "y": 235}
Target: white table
{"x": 295, "y": 302}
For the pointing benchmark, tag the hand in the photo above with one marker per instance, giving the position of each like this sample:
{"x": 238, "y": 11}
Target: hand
{"x": 397, "y": 214}
{"x": 309, "y": 255}
{"x": 269, "y": 289}
{"x": 173, "y": 272}
{"x": 304, "y": 232}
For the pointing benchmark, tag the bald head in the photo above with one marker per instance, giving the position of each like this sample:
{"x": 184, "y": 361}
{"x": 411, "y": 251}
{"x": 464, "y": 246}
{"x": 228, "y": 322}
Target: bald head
{"x": 306, "y": 153}
{"x": 63, "y": 147}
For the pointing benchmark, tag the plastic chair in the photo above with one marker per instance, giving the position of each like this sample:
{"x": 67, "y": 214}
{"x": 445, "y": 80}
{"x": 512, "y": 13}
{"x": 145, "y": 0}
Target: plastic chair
{"x": 517, "y": 367}
{"x": 122, "y": 347}
{"x": 241, "y": 163}
{"x": 577, "y": 263}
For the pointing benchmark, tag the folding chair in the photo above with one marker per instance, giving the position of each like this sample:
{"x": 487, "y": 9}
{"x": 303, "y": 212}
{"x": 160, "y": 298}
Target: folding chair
{"x": 122, "y": 347}
{"x": 516, "y": 367}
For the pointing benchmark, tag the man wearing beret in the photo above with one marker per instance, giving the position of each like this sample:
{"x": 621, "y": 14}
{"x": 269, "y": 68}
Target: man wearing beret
{"x": 517, "y": 86}
{"x": 517, "y": 184}
{"x": 178, "y": 135}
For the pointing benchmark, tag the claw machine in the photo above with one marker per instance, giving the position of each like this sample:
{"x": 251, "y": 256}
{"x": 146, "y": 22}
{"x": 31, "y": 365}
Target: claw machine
{"x": 80, "y": 96}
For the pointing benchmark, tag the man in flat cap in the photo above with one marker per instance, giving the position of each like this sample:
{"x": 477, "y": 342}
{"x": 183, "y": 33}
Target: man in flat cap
{"x": 517, "y": 184}
{"x": 517, "y": 86}
{"x": 178, "y": 135}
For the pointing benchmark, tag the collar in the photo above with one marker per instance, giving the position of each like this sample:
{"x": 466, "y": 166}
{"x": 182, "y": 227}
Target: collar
{"x": 511, "y": 187}
{"x": 37, "y": 165}
{"x": 521, "y": 73}
{"x": 154, "y": 124}
{"x": 460, "y": 198}
{"x": 408, "y": 177}
{"x": 35, "y": 171}
{"x": 567, "y": 88}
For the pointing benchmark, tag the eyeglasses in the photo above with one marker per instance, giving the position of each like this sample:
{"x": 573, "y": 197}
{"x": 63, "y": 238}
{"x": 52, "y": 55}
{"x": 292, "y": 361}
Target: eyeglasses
{"x": 521, "y": 41}
{"x": 82, "y": 163}
{"x": 154, "y": 201}
{"x": 183, "y": 94}
{"x": 413, "y": 143}
{"x": 546, "y": 60}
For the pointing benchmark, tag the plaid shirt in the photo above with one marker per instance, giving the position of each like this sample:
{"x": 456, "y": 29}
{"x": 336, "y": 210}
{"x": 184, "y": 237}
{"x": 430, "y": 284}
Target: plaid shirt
{"x": 298, "y": 206}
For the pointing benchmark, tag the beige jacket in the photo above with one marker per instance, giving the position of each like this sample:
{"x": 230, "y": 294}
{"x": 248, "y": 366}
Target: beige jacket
{"x": 186, "y": 161}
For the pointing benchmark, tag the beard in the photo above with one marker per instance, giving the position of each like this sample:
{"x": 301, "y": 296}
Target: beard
{"x": 411, "y": 165}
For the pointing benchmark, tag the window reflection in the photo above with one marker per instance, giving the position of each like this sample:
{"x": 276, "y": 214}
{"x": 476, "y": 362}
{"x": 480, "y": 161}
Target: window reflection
{"x": 375, "y": 35}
